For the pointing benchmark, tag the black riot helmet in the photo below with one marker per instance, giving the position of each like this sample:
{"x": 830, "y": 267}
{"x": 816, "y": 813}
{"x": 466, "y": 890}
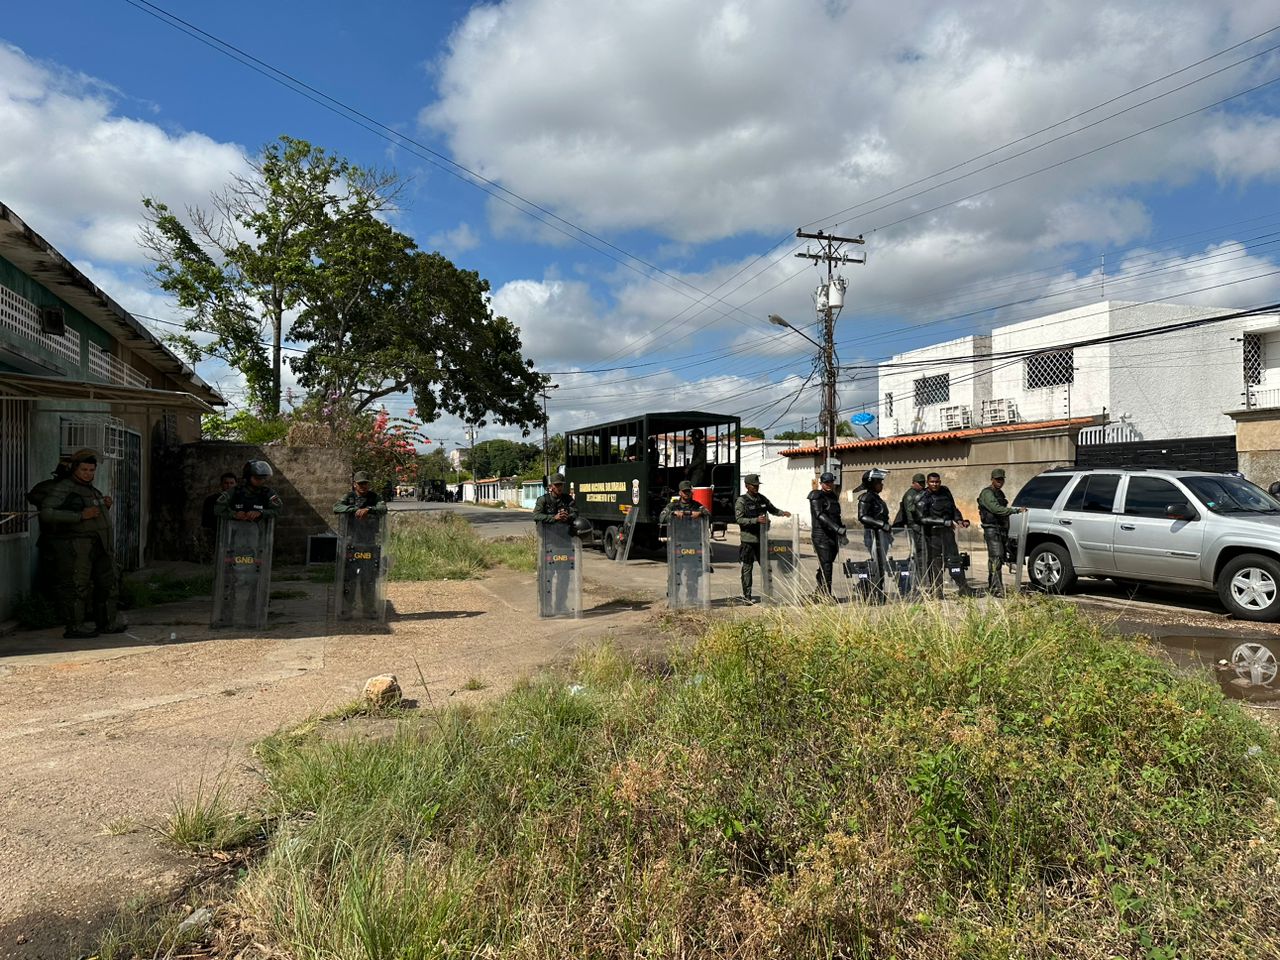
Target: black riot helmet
{"x": 581, "y": 527}
{"x": 256, "y": 468}
{"x": 871, "y": 476}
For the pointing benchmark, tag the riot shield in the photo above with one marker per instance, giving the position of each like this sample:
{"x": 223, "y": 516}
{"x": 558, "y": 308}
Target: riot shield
{"x": 559, "y": 572}
{"x": 880, "y": 571}
{"x": 688, "y": 563}
{"x": 1019, "y": 549}
{"x": 242, "y": 573}
{"x": 360, "y": 585}
{"x": 627, "y": 535}
{"x": 780, "y": 577}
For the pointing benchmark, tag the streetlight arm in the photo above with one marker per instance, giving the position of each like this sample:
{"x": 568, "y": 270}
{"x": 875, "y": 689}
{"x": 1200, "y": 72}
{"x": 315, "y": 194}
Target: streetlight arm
{"x": 778, "y": 321}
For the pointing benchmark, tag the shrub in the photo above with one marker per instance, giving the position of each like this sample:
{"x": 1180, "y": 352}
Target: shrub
{"x": 447, "y": 547}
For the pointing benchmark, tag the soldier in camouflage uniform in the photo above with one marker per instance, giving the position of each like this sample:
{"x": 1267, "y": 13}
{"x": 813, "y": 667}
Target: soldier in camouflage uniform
{"x": 76, "y": 514}
{"x": 46, "y": 554}
{"x": 555, "y": 506}
{"x": 367, "y": 512}
{"x": 751, "y": 512}
{"x": 994, "y": 510}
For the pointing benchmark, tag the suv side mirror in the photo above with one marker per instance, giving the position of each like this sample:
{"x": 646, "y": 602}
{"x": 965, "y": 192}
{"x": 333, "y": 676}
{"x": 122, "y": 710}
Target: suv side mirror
{"x": 1180, "y": 511}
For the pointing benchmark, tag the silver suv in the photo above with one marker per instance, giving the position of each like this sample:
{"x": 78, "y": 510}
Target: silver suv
{"x": 1208, "y": 531}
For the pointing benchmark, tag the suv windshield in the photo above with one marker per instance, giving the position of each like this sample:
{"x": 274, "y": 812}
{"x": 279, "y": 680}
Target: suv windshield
{"x": 1231, "y": 495}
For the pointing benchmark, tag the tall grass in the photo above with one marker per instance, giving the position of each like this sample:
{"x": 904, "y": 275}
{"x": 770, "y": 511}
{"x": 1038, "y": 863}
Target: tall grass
{"x": 447, "y": 547}
{"x": 824, "y": 783}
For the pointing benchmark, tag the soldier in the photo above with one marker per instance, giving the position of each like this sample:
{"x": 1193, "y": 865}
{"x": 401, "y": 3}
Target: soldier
{"x": 46, "y": 553}
{"x": 939, "y": 516}
{"x": 365, "y": 511}
{"x": 994, "y": 512}
{"x": 873, "y": 514}
{"x": 909, "y": 517}
{"x": 828, "y": 530}
{"x": 75, "y": 513}
{"x": 751, "y": 512}
{"x": 555, "y": 506}
{"x": 684, "y": 505}
{"x": 251, "y": 499}
{"x": 209, "y": 520}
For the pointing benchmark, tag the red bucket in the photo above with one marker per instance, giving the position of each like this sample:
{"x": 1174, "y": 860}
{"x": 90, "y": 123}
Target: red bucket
{"x": 703, "y": 495}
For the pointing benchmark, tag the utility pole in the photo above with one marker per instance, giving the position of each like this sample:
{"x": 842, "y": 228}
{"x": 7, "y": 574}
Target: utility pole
{"x": 546, "y": 442}
{"x": 829, "y": 299}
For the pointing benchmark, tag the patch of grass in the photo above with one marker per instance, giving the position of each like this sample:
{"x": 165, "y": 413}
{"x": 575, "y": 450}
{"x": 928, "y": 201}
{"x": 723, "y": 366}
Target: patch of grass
{"x": 322, "y": 573}
{"x": 37, "y": 612}
{"x": 119, "y": 827}
{"x": 152, "y": 589}
{"x": 288, "y": 594}
{"x": 823, "y": 782}
{"x": 446, "y": 547}
{"x": 474, "y": 683}
{"x": 147, "y": 929}
{"x": 204, "y": 820}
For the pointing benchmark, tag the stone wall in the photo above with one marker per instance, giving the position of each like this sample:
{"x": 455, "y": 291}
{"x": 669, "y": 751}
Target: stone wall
{"x": 308, "y": 479}
{"x": 1258, "y": 445}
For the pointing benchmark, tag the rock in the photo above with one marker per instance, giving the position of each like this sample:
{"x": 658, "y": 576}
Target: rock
{"x": 200, "y": 918}
{"x": 383, "y": 692}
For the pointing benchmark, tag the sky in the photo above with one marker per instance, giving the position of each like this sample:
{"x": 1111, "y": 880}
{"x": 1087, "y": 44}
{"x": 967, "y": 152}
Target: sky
{"x": 648, "y": 166}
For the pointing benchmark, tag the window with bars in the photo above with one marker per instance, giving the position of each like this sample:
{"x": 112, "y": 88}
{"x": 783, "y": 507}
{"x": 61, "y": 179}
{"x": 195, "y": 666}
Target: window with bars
{"x": 14, "y": 516}
{"x": 931, "y": 390}
{"x": 888, "y": 406}
{"x": 1051, "y": 369}
{"x": 1252, "y": 343}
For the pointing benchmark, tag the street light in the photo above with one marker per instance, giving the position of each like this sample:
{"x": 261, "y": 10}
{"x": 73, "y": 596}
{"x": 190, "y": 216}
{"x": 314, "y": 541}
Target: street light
{"x": 827, "y": 353}
{"x": 777, "y": 321}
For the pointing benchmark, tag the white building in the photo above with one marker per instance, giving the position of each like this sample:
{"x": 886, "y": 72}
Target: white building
{"x": 1177, "y": 384}
{"x": 784, "y": 480}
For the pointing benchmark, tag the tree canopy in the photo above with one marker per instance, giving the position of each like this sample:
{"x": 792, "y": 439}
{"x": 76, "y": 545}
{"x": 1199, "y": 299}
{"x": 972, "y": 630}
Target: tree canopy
{"x": 304, "y": 235}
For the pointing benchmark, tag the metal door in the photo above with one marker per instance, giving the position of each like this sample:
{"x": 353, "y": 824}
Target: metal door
{"x": 127, "y": 505}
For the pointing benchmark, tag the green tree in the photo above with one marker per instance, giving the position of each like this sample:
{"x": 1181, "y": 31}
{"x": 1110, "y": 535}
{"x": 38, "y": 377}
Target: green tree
{"x": 502, "y": 458}
{"x": 794, "y": 435}
{"x": 752, "y": 432}
{"x": 241, "y": 265}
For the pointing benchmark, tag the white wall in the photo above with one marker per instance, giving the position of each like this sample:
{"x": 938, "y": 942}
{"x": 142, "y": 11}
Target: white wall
{"x": 784, "y": 480}
{"x": 1091, "y": 390}
{"x": 968, "y": 381}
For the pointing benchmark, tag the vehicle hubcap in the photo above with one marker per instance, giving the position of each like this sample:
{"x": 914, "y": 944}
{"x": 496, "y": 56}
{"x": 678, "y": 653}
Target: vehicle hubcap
{"x": 1253, "y": 588}
{"x": 1047, "y": 569}
{"x": 1254, "y": 662}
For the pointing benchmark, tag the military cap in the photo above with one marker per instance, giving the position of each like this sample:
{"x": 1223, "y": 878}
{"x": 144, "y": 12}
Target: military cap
{"x": 997, "y": 474}
{"x": 752, "y": 478}
{"x": 827, "y": 478}
{"x": 686, "y": 485}
{"x": 918, "y": 478}
{"x": 84, "y": 456}
{"x": 557, "y": 478}
{"x": 360, "y": 477}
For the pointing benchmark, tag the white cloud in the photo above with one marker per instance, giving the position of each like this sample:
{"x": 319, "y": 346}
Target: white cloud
{"x": 711, "y": 120}
{"x": 76, "y": 171}
{"x": 460, "y": 239}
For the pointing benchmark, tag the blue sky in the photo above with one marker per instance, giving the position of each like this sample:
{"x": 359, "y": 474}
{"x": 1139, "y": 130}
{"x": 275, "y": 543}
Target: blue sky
{"x": 694, "y": 139}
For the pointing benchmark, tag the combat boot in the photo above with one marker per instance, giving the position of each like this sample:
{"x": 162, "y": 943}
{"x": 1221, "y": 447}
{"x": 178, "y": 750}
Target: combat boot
{"x": 77, "y": 629}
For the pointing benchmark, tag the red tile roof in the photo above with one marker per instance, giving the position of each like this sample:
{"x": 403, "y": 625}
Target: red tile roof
{"x": 945, "y": 436}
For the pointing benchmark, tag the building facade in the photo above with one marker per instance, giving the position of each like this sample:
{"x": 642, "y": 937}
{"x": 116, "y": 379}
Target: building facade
{"x": 1182, "y": 383}
{"x": 77, "y": 370}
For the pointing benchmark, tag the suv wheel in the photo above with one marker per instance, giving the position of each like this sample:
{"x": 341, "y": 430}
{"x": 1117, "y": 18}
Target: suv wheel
{"x": 1049, "y": 568}
{"x": 1249, "y": 587}
{"x": 1248, "y": 669}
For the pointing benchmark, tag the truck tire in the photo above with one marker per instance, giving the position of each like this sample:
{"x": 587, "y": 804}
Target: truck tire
{"x": 1049, "y": 568}
{"x": 610, "y": 543}
{"x": 1249, "y": 587}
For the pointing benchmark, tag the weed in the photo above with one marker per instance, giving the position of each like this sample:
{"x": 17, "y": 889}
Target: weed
{"x": 120, "y": 827}
{"x": 204, "y": 820}
{"x": 823, "y": 782}
{"x": 447, "y": 547}
{"x": 474, "y": 683}
{"x": 147, "y": 929}
{"x": 157, "y": 588}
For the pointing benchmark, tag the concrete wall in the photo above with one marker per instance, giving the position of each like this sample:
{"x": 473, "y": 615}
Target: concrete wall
{"x": 784, "y": 480}
{"x": 1091, "y": 390}
{"x": 1258, "y": 445}
{"x": 309, "y": 480}
{"x": 965, "y": 467}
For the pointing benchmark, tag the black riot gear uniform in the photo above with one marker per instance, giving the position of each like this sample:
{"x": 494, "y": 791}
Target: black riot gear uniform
{"x": 828, "y": 530}
{"x": 873, "y": 514}
{"x": 938, "y": 511}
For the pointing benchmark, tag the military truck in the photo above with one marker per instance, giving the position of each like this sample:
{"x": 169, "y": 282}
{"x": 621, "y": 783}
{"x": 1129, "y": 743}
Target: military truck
{"x": 636, "y": 465}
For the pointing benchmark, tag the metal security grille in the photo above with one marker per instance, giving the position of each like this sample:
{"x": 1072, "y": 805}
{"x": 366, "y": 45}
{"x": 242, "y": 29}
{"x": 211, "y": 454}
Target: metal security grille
{"x": 20, "y": 316}
{"x": 888, "y": 406}
{"x": 1252, "y": 344}
{"x": 14, "y": 419}
{"x": 1049, "y": 369}
{"x": 931, "y": 390}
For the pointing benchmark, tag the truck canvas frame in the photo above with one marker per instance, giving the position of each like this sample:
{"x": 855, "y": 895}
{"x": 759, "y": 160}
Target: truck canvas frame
{"x": 637, "y": 464}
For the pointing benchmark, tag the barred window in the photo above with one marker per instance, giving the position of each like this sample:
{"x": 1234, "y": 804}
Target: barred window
{"x": 14, "y": 518}
{"x": 1252, "y": 359}
{"x": 888, "y": 406}
{"x": 1049, "y": 369}
{"x": 931, "y": 390}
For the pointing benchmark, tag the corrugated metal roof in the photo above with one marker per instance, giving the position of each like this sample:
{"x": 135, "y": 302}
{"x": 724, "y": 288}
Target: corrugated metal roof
{"x": 946, "y": 436}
